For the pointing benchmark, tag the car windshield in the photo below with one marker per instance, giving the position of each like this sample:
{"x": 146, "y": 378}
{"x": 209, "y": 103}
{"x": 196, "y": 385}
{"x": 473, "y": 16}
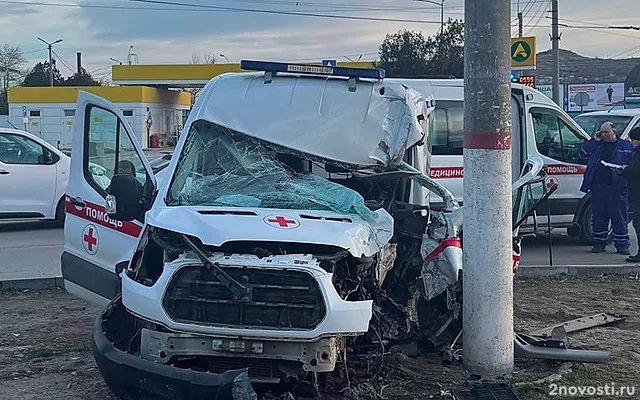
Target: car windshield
{"x": 222, "y": 167}
{"x": 592, "y": 123}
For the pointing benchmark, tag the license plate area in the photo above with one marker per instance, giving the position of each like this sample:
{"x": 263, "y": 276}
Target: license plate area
{"x": 237, "y": 346}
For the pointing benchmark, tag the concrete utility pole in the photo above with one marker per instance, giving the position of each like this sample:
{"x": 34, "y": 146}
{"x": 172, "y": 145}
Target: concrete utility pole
{"x": 488, "y": 280}
{"x": 79, "y": 62}
{"x": 50, "y": 46}
{"x": 555, "y": 50}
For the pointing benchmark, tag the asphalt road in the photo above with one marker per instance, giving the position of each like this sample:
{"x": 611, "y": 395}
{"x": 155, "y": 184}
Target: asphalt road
{"x": 32, "y": 250}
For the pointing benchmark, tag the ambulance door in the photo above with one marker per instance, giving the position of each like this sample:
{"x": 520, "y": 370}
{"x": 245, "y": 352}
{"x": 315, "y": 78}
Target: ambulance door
{"x": 97, "y": 247}
{"x": 558, "y": 141}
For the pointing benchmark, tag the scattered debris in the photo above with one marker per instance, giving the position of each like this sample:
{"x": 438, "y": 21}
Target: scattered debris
{"x": 578, "y": 324}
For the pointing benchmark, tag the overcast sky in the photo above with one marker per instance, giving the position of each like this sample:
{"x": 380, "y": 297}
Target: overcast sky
{"x": 165, "y": 33}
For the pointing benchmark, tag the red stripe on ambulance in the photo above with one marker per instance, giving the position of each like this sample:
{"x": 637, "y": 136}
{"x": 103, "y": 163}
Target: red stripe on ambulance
{"x": 563, "y": 169}
{"x": 98, "y": 214}
{"x": 446, "y": 172}
{"x": 550, "y": 169}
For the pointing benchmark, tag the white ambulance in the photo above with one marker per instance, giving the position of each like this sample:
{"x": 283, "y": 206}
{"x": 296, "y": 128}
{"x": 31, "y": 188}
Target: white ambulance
{"x": 293, "y": 217}
{"x": 539, "y": 128}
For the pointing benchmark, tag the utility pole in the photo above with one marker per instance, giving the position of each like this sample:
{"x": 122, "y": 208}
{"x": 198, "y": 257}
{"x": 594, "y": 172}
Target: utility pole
{"x": 555, "y": 50}
{"x": 50, "y": 47}
{"x": 488, "y": 339}
{"x": 441, "y": 4}
{"x": 520, "y": 24}
{"x": 441, "y": 16}
{"x": 79, "y": 62}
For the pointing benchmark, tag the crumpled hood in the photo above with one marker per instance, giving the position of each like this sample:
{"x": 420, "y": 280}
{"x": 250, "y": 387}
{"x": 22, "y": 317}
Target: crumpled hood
{"x": 372, "y": 125}
{"x": 218, "y": 225}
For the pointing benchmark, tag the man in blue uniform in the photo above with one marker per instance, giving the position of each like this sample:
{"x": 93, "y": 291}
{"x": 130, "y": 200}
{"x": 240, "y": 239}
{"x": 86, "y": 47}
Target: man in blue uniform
{"x": 609, "y": 202}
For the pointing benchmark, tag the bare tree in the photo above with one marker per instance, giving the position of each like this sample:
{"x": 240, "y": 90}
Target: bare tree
{"x": 11, "y": 61}
{"x": 209, "y": 58}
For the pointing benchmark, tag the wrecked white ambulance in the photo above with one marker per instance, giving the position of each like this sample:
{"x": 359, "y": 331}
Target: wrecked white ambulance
{"x": 292, "y": 223}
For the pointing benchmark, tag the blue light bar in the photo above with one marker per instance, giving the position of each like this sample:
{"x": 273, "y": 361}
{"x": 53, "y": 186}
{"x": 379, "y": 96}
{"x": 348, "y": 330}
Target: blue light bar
{"x": 308, "y": 69}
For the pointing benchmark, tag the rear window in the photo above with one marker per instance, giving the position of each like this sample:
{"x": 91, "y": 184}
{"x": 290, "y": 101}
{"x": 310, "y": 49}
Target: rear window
{"x": 592, "y": 123}
{"x": 448, "y": 128}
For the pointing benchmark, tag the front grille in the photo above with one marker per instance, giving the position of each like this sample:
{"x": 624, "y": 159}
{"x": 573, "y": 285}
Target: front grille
{"x": 280, "y": 299}
{"x": 258, "y": 368}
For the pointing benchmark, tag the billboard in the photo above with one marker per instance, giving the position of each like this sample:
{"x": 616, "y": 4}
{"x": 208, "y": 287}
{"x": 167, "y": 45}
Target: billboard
{"x": 547, "y": 90}
{"x": 601, "y": 96}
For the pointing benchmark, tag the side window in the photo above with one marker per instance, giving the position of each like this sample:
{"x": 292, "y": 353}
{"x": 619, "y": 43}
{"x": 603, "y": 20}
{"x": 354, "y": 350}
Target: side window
{"x": 15, "y": 149}
{"x": 108, "y": 150}
{"x": 555, "y": 138}
{"x": 448, "y": 129}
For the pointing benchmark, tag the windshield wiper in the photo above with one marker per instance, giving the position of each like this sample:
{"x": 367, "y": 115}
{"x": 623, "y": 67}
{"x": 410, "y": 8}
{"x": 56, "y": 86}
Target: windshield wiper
{"x": 239, "y": 291}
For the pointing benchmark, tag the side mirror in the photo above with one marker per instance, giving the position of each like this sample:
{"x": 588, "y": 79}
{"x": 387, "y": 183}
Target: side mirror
{"x": 124, "y": 201}
{"x": 47, "y": 158}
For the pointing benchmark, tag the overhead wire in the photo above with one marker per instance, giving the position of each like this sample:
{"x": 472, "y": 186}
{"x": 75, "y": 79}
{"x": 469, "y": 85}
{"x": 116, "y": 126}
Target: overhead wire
{"x": 63, "y": 61}
{"x": 542, "y": 10}
{"x": 628, "y": 53}
{"x": 276, "y": 12}
{"x": 203, "y": 7}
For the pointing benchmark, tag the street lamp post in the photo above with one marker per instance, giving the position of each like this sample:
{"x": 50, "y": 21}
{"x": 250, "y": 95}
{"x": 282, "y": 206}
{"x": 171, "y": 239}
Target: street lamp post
{"x": 441, "y": 4}
{"x": 49, "y": 46}
{"x": 225, "y": 57}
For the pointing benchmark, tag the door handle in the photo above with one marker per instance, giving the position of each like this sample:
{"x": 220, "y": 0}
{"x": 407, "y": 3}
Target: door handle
{"x": 4, "y": 172}
{"x": 77, "y": 201}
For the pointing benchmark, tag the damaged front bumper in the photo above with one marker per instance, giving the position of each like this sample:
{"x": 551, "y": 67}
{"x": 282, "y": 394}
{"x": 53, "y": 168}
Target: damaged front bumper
{"x": 130, "y": 376}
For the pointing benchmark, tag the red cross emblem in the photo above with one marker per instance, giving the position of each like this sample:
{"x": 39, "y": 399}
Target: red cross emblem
{"x": 90, "y": 239}
{"x": 281, "y": 221}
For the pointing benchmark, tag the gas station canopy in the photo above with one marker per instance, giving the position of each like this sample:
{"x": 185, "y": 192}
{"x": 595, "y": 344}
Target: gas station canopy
{"x": 186, "y": 75}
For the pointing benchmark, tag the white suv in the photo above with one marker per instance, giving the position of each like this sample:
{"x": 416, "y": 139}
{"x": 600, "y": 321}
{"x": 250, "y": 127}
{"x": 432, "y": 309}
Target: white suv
{"x": 33, "y": 178}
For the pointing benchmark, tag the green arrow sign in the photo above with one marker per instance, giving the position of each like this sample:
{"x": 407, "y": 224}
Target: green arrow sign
{"x": 520, "y": 51}
{"x": 523, "y": 52}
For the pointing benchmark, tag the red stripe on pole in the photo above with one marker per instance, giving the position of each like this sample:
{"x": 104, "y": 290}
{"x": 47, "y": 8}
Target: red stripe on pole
{"x": 488, "y": 141}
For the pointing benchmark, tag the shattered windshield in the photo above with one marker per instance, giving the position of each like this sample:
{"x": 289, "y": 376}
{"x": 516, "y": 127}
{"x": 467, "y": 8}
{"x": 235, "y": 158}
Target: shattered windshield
{"x": 222, "y": 167}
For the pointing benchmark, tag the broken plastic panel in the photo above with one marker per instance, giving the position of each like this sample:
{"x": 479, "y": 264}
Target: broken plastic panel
{"x": 220, "y": 167}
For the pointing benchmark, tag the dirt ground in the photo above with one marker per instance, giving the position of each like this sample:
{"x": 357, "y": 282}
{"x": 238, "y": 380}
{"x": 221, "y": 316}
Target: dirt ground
{"x": 45, "y": 347}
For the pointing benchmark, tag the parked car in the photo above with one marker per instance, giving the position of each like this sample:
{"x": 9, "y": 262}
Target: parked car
{"x": 33, "y": 178}
{"x": 623, "y": 121}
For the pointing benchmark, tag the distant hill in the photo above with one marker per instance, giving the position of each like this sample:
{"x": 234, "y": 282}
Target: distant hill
{"x": 575, "y": 68}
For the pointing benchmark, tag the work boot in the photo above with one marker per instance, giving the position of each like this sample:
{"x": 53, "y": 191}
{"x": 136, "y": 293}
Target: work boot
{"x": 635, "y": 258}
{"x": 598, "y": 249}
{"x": 624, "y": 252}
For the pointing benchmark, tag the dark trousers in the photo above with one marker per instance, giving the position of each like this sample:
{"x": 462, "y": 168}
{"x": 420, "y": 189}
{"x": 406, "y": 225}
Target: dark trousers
{"x": 610, "y": 205}
{"x": 635, "y": 207}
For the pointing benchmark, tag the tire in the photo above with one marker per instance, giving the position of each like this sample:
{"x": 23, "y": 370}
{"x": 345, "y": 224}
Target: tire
{"x": 586, "y": 231}
{"x": 61, "y": 214}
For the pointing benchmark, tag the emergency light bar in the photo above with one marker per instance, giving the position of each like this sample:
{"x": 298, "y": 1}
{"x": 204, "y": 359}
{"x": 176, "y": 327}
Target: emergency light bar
{"x": 308, "y": 69}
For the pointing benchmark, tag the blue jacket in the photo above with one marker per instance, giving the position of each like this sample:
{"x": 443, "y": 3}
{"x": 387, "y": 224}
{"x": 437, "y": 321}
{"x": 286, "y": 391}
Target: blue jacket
{"x": 592, "y": 152}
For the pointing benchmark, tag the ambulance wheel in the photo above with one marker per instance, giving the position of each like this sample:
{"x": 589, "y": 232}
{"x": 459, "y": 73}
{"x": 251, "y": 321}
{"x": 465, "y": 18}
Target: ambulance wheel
{"x": 586, "y": 231}
{"x": 60, "y": 214}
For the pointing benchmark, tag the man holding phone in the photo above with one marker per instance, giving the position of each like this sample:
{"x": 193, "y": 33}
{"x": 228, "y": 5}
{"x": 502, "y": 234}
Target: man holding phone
{"x": 609, "y": 191}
